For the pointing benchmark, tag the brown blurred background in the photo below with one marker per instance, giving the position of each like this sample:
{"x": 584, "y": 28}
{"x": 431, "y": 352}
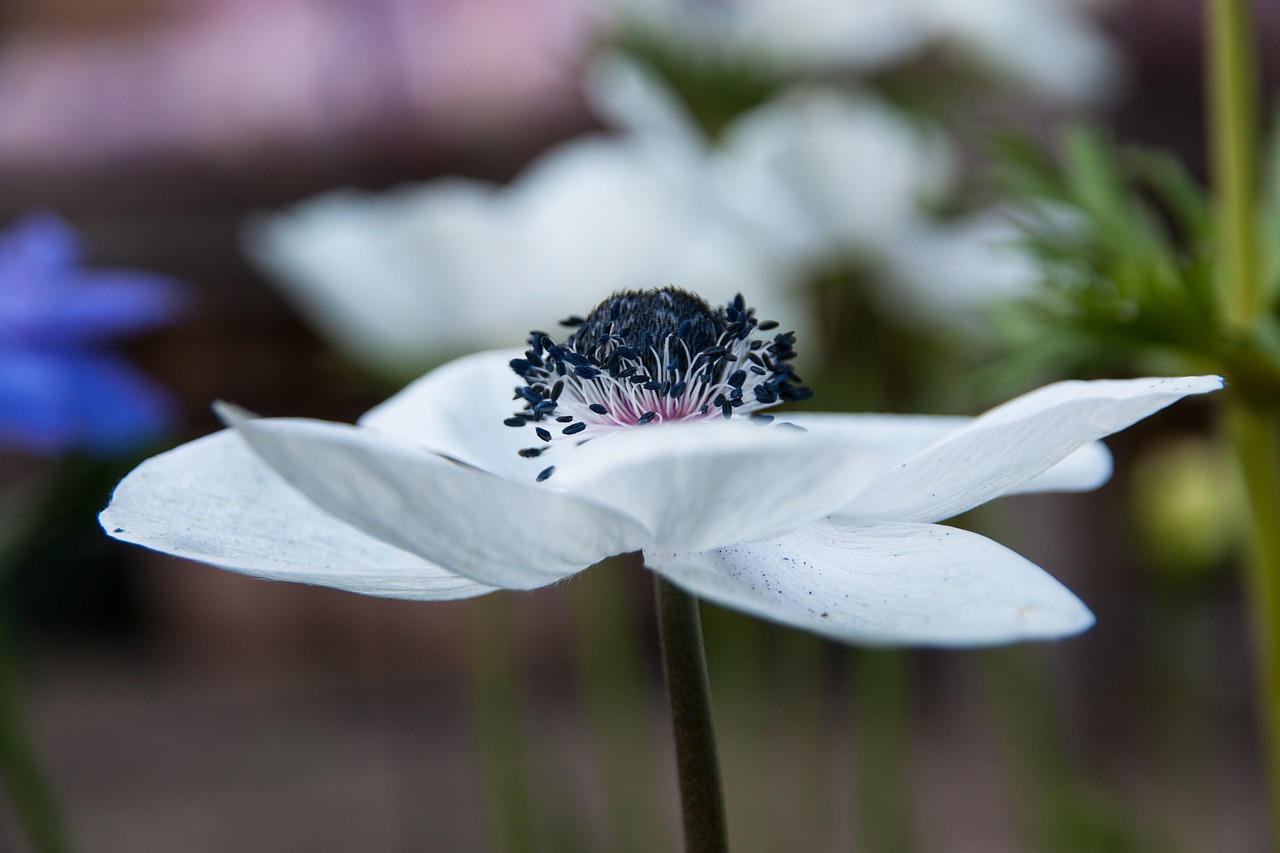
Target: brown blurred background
{"x": 183, "y": 708}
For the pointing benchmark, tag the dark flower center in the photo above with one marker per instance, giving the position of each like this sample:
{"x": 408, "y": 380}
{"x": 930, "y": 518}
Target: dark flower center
{"x": 642, "y": 318}
{"x": 651, "y": 356}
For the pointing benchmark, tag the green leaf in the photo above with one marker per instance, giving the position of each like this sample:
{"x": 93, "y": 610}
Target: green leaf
{"x": 1175, "y": 188}
{"x": 1124, "y": 240}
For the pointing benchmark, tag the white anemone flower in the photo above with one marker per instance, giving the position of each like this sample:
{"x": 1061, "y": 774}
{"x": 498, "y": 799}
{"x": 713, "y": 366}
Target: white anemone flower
{"x": 857, "y": 171}
{"x": 822, "y": 176}
{"x": 647, "y": 410}
{"x": 859, "y": 178}
{"x": 401, "y": 279}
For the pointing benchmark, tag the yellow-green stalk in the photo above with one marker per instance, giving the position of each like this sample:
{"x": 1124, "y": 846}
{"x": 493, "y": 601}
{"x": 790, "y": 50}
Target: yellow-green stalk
{"x": 1253, "y": 420}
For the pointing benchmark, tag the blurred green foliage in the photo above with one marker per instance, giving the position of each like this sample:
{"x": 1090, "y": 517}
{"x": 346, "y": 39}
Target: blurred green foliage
{"x": 1126, "y": 240}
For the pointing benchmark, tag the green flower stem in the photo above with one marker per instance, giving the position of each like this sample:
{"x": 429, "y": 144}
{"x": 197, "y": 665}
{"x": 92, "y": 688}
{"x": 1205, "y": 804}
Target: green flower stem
{"x": 685, "y": 664}
{"x": 882, "y": 679}
{"x": 1253, "y": 418}
{"x": 1254, "y": 429}
{"x": 29, "y": 791}
{"x": 502, "y": 747}
{"x": 1233, "y": 141}
{"x": 1062, "y": 807}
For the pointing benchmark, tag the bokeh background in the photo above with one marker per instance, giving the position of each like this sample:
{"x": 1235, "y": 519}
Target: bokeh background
{"x": 178, "y": 707}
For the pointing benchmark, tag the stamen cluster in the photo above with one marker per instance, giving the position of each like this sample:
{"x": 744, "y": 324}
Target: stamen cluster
{"x": 652, "y": 356}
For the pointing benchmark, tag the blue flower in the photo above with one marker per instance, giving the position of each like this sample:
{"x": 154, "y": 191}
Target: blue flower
{"x": 61, "y": 387}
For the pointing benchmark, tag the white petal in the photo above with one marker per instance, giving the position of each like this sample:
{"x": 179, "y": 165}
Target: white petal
{"x": 858, "y": 168}
{"x": 457, "y": 410}
{"x": 397, "y": 279}
{"x": 820, "y": 34}
{"x": 892, "y": 437}
{"x": 1005, "y": 449}
{"x": 215, "y": 501}
{"x": 710, "y": 483}
{"x": 506, "y": 533}
{"x": 895, "y": 438}
{"x": 950, "y": 276}
{"x": 599, "y": 214}
{"x": 884, "y": 584}
{"x": 1084, "y": 470}
{"x": 1049, "y": 45}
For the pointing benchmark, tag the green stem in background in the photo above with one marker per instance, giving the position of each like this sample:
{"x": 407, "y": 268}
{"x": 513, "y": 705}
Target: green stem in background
{"x": 28, "y": 789}
{"x": 497, "y": 703}
{"x": 1254, "y": 429}
{"x": 1066, "y": 809}
{"x": 1253, "y": 420}
{"x": 1233, "y": 144}
{"x": 883, "y": 734}
{"x": 698, "y": 766}
{"x": 617, "y": 694}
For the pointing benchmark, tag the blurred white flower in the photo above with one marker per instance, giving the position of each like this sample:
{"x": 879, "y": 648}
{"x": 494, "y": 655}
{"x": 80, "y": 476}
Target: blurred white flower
{"x": 831, "y": 528}
{"x": 948, "y": 275}
{"x": 801, "y": 35}
{"x": 1049, "y": 46}
{"x": 860, "y": 180}
{"x": 857, "y": 171}
{"x": 826, "y": 176}
{"x": 393, "y": 279}
{"x": 402, "y": 279}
